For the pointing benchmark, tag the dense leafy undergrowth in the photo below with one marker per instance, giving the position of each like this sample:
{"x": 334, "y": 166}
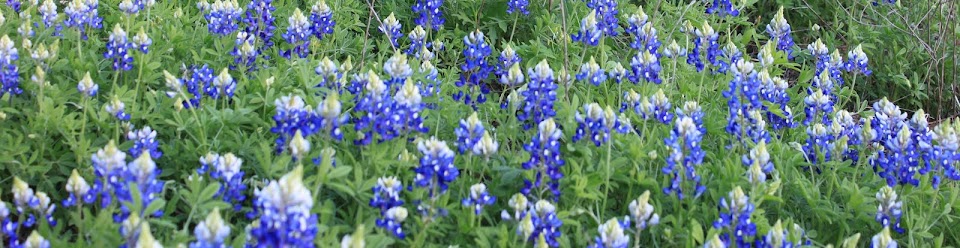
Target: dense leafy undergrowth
{"x": 431, "y": 123}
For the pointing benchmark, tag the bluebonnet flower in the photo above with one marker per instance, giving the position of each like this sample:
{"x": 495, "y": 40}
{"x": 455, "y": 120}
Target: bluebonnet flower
{"x": 143, "y": 172}
{"x": 478, "y": 198}
{"x": 329, "y": 116}
{"x": 540, "y": 224}
{"x": 599, "y": 122}
{"x": 87, "y": 87}
{"x": 729, "y": 55}
{"x": 507, "y": 61}
{"x": 633, "y": 100}
{"x": 144, "y": 141}
{"x": 226, "y": 169}
{"x": 26, "y": 200}
{"x": 430, "y": 85}
{"x": 292, "y": 116}
{"x": 674, "y": 51}
{"x": 743, "y": 96}
{"x": 685, "y": 156}
{"x": 375, "y": 109}
{"x": 436, "y": 168}
{"x": 223, "y": 16}
{"x": 10, "y": 74}
{"x": 545, "y": 159}
{"x": 887, "y": 122}
{"x": 429, "y": 14}
{"x": 821, "y": 54}
{"x": 78, "y": 188}
{"x": 259, "y": 24}
{"x": 592, "y": 73}
{"x": 765, "y": 56}
{"x": 418, "y": 42}
{"x": 408, "y": 109}
{"x": 818, "y": 109}
{"x": 298, "y": 146}
{"x": 735, "y": 218}
{"x": 329, "y": 74}
{"x": 109, "y": 164}
{"x": 132, "y": 7}
{"x": 221, "y": 86}
{"x": 469, "y": 133}
{"x": 116, "y": 109}
{"x": 759, "y": 163}
{"x": 539, "y": 97}
{"x": 321, "y": 19}
{"x": 845, "y": 129}
{"x": 946, "y": 152}
{"x": 612, "y": 234}
{"x": 903, "y": 145}
{"x": 723, "y": 8}
{"x": 710, "y": 38}
{"x": 889, "y": 210}
{"x": 835, "y": 67}
{"x": 645, "y": 66}
{"x": 819, "y": 140}
{"x": 141, "y": 41}
{"x": 774, "y": 90}
{"x": 922, "y": 137}
{"x": 779, "y": 31}
{"x": 707, "y": 36}
{"x": 49, "y": 16}
{"x": 398, "y": 69}
{"x": 15, "y": 5}
{"x": 857, "y": 62}
{"x": 393, "y": 221}
{"x": 641, "y": 212}
{"x": 211, "y": 232}
{"x": 298, "y": 34}
{"x": 518, "y": 6}
{"x": 82, "y": 14}
{"x": 776, "y": 237}
{"x": 617, "y": 72}
{"x": 244, "y": 52}
{"x": 692, "y": 109}
{"x": 883, "y": 239}
{"x": 285, "y": 218}
{"x": 590, "y": 32}
{"x": 474, "y": 70}
{"x": 117, "y": 49}
{"x": 36, "y": 241}
{"x": 643, "y": 39}
{"x": 486, "y": 147}
{"x": 391, "y": 27}
{"x": 201, "y": 77}
{"x": 606, "y": 12}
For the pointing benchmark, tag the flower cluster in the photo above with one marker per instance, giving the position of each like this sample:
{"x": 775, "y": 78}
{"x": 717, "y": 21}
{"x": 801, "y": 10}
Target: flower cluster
{"x": 606, "y": 12}
{"x": 539, "y": 97}
{"x": 539, "y": 224}
{"x": 704, "y": 36}
{"x": 211, "y": 232}
{"x": 78, "y": 188}
{"x": 848, "y": 135}
{"x": 49, "y": 16}
{"x": 590, "y": 32}
{"x": 906, "y": 148}
{"x": 298, "y": 34}
{"x": 82, "y": 14}
{"x": 641, "y": 212}
{"x": 429, "y": 14}
{"x": 947, "y": 148}
{"x": 545, "y": 159}
{"x": 472, "y": 136}
{"x": 285, "y": 218}
{"x": 599, "y": 122}
{"x": 743, "y": 97}
{"x": 321, "y": 19}
{"x": 857, "y": 62}
{"x": 475, "y": 69}
{"x": 386, "y": 197}
{"x": 592, "y": 73}
{"x": 292, "y": 116}
{"x": 685, "y": 156}
{"x": 31, "y": 204}
{"x": 222, "y": 16}
{"x": 391, "y": 27}
{"x": 144, "y": 141}
{"x": 889, "y": 210}
{"x": 244, "y": 52}
{"x": 518, "y": 6}
{"x": 478, "y": 198}
{"x": 117, "y": 49}
{"x": 643, "y": 33}
{"x": 259, "y": 24}
{"x": 116, "y": 109}
{"x": 723, "y": 8}
{"x": 223, "y": 85}
{"x": 508, "y": 69}
{"x": 9, "y": 73}
{"x": 143, "y": 172}
{"x": 612, "y": 234}
{"x": 735, "y": 218}
{"x": 779, "y": 31}
{"x": 436, "y": 168}
{"x": 645, "y": 66}
{"x": 758, "y": 163}
{"x": 774, "y": 91}
{"x": 225, "y": 169}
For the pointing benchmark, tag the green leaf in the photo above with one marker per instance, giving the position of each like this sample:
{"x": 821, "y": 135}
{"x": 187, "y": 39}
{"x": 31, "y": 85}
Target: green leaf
{"x": 209, "y": 192}
{"x": 696, "y": 231}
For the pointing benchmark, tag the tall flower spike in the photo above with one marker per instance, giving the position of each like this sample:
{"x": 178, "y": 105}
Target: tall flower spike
{"x": 292, "y": 116}
{"x": 673, "y": 50}
{"x": 386, "y": 197}
{"x": 469, "y": 133}
{"x": 116, "y": 109}
{"x": 592, "y": 73}
{"x": 109, "y": 165}
{"x": 298, "y": 35}
{"x": 723, "y": 8}
{"x": 612, "y": 234}
{"x": 486, "y": 147}
{"x": 299, "y": 147}
{"x": 545, "y": 160}
{"x": 321, "y": 19}
{"x": 118, "y": 48}
{"x": 211, "y": 232}
{"x": 883, "y": 240}
{"x": 375, "y": 110}
{"x": 259, "y": 24}
{"x": 391, "y": 27}
{"x": 685, "y": 156}
{"x": 223, "y": 16}
{"x": 607, "y": 19}
{"x": 87, "y": 87}
{"x": 429, "y": 14}
{"x": 539, "y": 98}
{"x": 889, "y": 210}
{"x": 329, "y": 116}
{"x": 285, "y": 217}
{"x": 141, "y": 41}
{"x": 49, "y": 15}
{"x": 222, "y": 86}
{"x": 399, "y": 70}
{"x": 735, "y": 218}
{"x": 474, "y": 70}
{"x": 645, "y": 66}
{"x": 436, "y": 168}
{"x": 617, "y": 72}
{"x": 599, "y": 122}
{"x": 245, "y": 54}
{"x": 507, "y": 61}
{"x": 518, "y": 6}
{"x": 759, "y": 160}
{"x": 78, "y": 188}
{"x": 540, "y": 225}
{"x": 779, "y": 31}
{"x": 144, "y": 141}
{"x": 329, "y": 74}
{"x": 82, "y": 14}
{"x": 226, "y": 169}
{"x": 478, "y": 198}
{"x": 409, "y": 104}
{"x": 857, "y": 61}
{"x": 641, "y": 212}
{"x": 590, "y": 32}
{"x": 418, "y": 42}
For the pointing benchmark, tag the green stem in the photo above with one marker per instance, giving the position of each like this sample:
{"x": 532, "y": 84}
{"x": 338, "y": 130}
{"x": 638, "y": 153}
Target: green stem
{"x": 83, "y": 128}
{"x": 607, "y": 171}
{"x": 514, "y": 29}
